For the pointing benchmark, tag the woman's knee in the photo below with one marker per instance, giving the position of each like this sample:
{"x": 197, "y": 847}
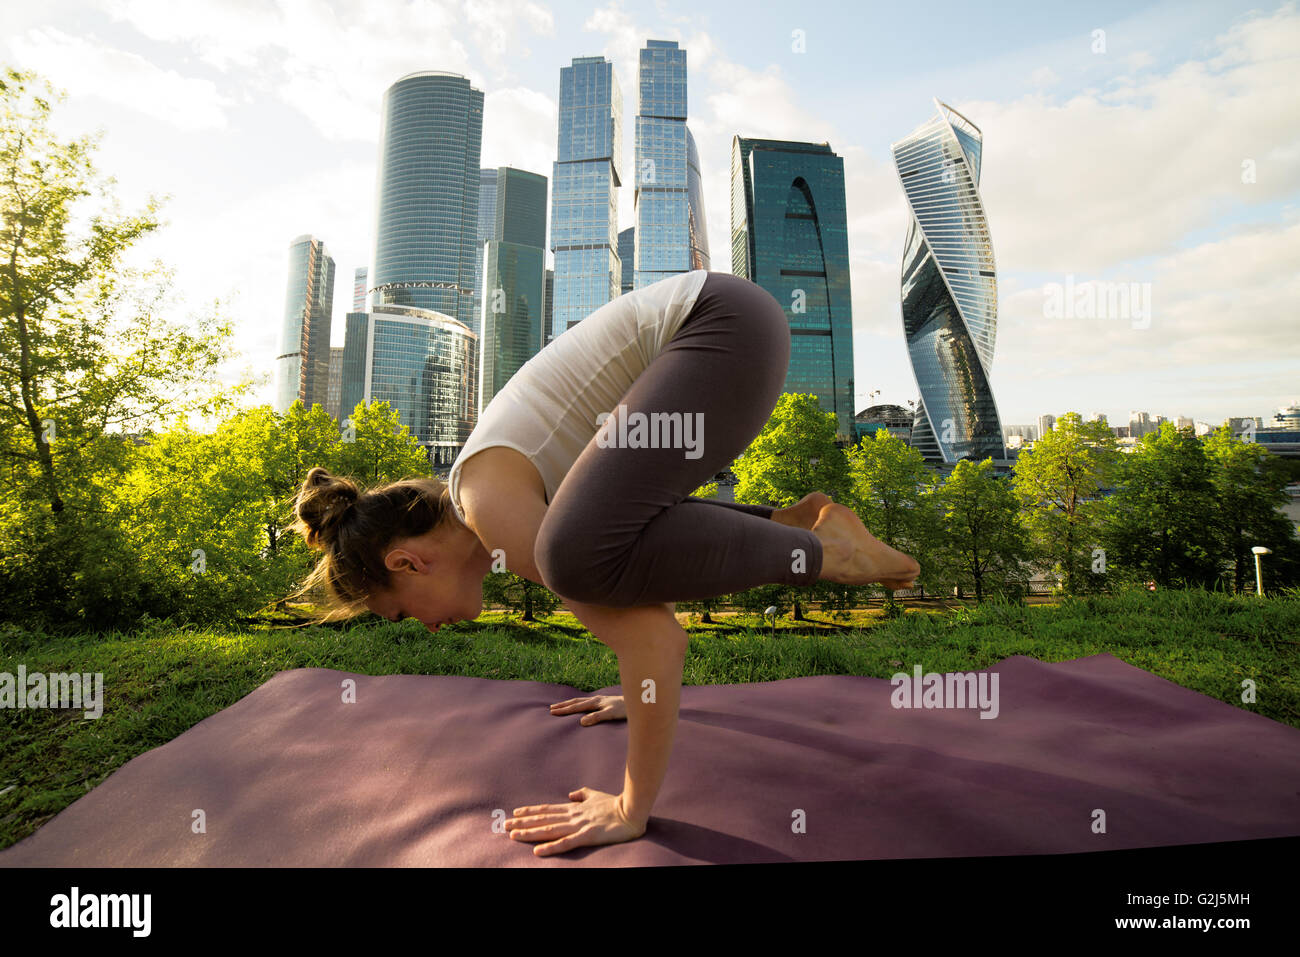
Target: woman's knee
{"x": 563, "y": 555}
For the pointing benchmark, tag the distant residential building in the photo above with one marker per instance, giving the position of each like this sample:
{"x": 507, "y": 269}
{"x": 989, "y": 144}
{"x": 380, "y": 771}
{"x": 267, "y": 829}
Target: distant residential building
{"x": 302, "y": 363}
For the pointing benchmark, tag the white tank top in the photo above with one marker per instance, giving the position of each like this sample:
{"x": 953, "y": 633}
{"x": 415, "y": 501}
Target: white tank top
{"x": 548, "y": 409}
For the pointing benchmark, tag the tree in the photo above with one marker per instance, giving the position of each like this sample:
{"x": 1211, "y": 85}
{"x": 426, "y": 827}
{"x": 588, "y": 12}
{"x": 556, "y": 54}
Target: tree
{"x": 376, "y": 445}
{"x": 1161, "y": 524}
{"x": 1059, "y": 481}
{"x": 793, "y": 455}
{"x": 1249, "y": 483}
{"x": 982, "y": 537}
{"x": 888, "y": 484}
{"x": 68, "y": 304}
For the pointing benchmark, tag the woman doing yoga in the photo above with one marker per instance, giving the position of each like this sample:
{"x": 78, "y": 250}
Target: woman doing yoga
{"x": 579, "y": 476}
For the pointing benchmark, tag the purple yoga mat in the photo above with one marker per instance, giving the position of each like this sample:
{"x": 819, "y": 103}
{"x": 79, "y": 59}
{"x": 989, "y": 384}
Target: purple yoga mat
{"x": 804, "y": 769}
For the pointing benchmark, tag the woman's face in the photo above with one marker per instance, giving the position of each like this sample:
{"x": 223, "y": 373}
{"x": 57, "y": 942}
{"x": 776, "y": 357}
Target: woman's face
{"x": 436, "y": 578}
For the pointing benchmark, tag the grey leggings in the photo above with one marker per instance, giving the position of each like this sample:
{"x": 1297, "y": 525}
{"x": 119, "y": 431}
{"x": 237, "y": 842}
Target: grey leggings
{"x": 623, "y": 528}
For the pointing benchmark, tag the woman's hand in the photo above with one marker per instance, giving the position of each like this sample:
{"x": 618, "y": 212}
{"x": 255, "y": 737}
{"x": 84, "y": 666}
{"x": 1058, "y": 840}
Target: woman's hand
{"x": 593, "y": 818}
{"x": 607, "y": 707}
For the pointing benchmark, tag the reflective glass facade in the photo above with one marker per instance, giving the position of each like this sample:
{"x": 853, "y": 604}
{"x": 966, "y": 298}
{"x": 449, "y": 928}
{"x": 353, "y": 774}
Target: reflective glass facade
{"x": 789, "y": 234}
{"x": 514, "y": 289}
{"x": 303, "y": 359}
{"x": 627, "y": 256}
{"x": 426, "y": 226}
{"x": 352, "y": 390}
{"x": 512, "y": 313}
{"x": 487, "y": 215}
{"x": 586, "y": 176}
{"x": 425, "y": 365}
{"x": 359, "y": 289}
{"x": 671, "y": 234}
{"x": 949, "y": 290}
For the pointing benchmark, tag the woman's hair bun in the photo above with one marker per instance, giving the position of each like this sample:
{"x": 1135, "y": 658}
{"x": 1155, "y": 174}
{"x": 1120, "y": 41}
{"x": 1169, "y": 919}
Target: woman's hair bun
{"x": 324, "y": 502}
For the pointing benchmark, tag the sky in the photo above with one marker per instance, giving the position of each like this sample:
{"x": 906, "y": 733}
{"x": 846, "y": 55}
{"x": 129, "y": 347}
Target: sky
{"x": 1153, "y": 145}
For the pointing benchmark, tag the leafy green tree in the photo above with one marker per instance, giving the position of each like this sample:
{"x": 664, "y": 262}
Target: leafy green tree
{"x": 1162, "y": 526}
{"x": 519, "y": 594}
{"x": 889, "y": 482}
{"x": 375, "y": 446}
{"x": 1249, "y": 483}
{"x": 793, "y": 455}
{"x": 982, "y": 539}
{"x": 1059, "y": 481}
{"x": 87, "y": 356}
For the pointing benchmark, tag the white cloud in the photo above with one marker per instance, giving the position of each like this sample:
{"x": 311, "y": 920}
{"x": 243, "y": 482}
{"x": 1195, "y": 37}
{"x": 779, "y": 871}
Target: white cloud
{"x": 86, "y": 67}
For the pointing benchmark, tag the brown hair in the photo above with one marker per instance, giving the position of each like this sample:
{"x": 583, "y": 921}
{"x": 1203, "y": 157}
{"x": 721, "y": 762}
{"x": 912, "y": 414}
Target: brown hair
{"x": 353, "y": 528}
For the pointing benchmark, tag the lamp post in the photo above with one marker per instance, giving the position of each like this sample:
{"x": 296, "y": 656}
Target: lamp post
{"x": 1259, "y": 572}
{"x": 771, "y": 612}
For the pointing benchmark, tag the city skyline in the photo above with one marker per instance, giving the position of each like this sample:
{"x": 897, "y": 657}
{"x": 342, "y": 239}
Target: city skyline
{"x": 1208, "y": 239}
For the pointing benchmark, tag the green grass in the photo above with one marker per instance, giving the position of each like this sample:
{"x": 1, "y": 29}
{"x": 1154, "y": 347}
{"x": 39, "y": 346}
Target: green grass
{"x": 162, "y": 680}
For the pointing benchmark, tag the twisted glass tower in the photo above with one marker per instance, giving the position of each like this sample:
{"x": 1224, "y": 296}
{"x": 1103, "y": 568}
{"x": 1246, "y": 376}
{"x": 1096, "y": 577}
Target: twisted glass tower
{"x": 949, "y": 290}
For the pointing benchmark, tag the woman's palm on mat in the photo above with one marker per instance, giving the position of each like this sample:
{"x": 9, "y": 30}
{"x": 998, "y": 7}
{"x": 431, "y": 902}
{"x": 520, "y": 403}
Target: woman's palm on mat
{"x": 605, "y": 707}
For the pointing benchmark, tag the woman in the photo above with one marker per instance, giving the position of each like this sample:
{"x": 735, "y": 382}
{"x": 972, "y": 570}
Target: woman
{"x": 562, "y": 482}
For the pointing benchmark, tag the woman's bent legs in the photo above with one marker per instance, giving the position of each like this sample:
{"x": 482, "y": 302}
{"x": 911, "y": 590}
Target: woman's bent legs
{"x": 623, "y": 529}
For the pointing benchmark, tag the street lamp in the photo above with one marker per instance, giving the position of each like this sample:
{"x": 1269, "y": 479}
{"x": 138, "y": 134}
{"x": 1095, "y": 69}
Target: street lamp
{"x": 1259, "y": 574}
{"x": 771, "y": 612}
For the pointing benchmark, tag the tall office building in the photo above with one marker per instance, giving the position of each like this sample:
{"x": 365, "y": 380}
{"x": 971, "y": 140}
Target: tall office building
{"x": 548, "y": 307}
{"x": 335, "y": 393}
{"x": 487, "y": 214}
{"x": 359, "y": 289}
{"x": 671, "y": 235}
{"x": 302, "y": 364}
{"x": 585, "y": 180}
{"x": 789, "y": 234}
{"x": 422, "y": 363}
{"x": 514, "y": 280}
{"x": 627, "y": 255}
{"x": 426, "y": 217}
{"x": 949, "y": 290}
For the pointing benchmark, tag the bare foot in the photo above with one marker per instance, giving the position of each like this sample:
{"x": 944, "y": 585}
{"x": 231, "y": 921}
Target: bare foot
{"x": 851, "y": 555}
{"x": 804, "y": 513}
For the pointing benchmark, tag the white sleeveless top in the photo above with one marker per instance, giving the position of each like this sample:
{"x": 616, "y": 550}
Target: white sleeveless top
{"x": 548, "y": 409}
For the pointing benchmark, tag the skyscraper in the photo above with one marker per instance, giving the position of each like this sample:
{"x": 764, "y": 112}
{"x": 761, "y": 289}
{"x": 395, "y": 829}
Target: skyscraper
{"x": 514, "y": 280}
{"x": 303, "y": 361}
{"x": 789, "y": 234}
{"x": 586, "y": 177}
{"x": 627, "y": 256}
{"x": 423, "y": 364}
{"x": 949, "y": 290}
{"x": 359, "y": 289}
{"x": 426, "y": 218}
{"x": 336, "y": 381}
{"x": 487, "y": 215}
{"x": 671, "y": 236}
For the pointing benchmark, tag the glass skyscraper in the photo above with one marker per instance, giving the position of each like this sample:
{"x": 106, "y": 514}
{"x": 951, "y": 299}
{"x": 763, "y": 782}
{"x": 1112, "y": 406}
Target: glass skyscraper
{"x": 302, "y": 365}
{"x": 514, "y": 280}
{"x": 627, "y": 256}
{"x": 789, "y": 234}
{"x": 487, "y": 215}
{"x": 671, "y": 235}
{"x": 586, "y": 177}
{"x": 423, "y": 364}
{"x": 949, "y": 290}
{"x": 426, "y": 219}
